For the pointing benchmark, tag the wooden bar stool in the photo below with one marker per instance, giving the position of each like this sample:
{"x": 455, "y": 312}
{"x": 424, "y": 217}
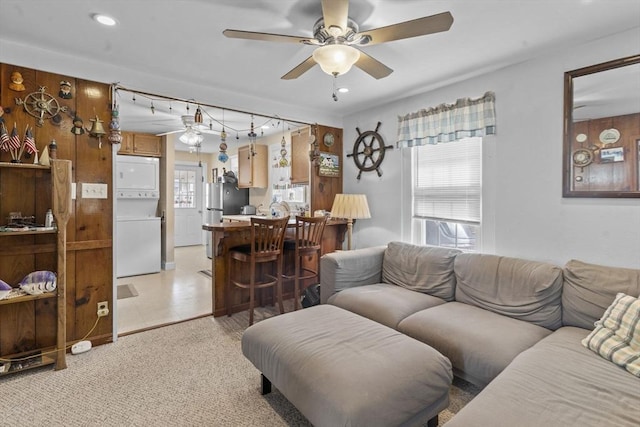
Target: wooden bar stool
{"x": 267, "y": 239}
{"x": 308, "y": 243}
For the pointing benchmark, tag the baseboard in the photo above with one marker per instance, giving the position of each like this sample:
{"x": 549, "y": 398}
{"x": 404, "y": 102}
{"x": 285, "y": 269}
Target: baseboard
{"x": 168, "y": 265}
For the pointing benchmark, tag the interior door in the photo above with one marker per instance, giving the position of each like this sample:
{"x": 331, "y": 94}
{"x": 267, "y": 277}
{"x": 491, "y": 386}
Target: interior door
{"x": 188, "y": 185}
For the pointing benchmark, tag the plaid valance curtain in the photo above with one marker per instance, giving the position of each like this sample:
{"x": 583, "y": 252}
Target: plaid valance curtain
{"x": 448, "y": 122}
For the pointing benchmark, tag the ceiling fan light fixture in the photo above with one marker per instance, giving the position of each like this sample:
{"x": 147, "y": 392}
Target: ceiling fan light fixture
{"x": 191, "y": 137}
{"x": 336, "y": 59}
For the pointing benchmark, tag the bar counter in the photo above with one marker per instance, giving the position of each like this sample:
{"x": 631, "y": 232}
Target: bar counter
{"x": 228, "y": 234}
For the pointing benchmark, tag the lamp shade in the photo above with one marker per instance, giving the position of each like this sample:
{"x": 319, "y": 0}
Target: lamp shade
{"x": 350, "y": 206}
{"x": 336, "y": 59}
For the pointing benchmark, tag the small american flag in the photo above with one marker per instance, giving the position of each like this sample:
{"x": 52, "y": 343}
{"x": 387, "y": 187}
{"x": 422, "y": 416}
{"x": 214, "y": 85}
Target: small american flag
{"x": 14, "y": 141}
{"x": 29, "y": 143}
{"x": 4, "y": 138}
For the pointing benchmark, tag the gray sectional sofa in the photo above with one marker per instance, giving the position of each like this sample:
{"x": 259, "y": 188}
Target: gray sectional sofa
{"x": 512, "y": 326}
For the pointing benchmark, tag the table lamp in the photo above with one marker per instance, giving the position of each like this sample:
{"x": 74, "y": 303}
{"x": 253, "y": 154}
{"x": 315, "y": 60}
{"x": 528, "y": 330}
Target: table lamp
{"x": 350, "y": 206}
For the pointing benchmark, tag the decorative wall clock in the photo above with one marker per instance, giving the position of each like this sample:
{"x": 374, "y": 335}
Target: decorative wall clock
{"x": 368, "y": 151}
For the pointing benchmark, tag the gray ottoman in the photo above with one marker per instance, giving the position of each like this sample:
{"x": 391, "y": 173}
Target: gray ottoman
{"x": 340, "y": 369}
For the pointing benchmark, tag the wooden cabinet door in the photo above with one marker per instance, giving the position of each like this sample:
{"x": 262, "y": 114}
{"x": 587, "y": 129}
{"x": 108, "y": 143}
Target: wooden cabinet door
{"x": 245, "y": 177}
{"x": 126, "y": 146}
{"x": 140, "y": 144}
{"x": 259, "y": 166}
{"x": 252, "y": 167}
{"x": 146, "y": 145}
{"x": 300, "y": 157}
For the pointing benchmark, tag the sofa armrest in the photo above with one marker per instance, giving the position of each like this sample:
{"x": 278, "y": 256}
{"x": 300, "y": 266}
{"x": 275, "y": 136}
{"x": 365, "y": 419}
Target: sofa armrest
{"x": 347, "y": 269}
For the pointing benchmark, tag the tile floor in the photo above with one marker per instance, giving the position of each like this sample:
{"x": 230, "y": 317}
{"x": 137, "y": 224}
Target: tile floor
{"x": 169, "y": 296}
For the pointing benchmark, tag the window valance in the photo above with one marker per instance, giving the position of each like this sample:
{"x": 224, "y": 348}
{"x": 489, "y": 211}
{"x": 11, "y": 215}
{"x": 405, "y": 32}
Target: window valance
{"x": 448, "y": 122}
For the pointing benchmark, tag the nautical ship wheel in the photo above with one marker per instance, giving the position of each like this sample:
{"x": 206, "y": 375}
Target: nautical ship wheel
{"x": 368, "y": 151}
{"x": 41, "y": 105}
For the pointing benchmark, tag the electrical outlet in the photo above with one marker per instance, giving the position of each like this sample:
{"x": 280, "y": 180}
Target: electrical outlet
{"x": 103, "y": 309}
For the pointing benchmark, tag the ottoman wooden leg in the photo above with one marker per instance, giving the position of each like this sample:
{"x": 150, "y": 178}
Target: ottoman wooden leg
{"x": 266, "y": 386}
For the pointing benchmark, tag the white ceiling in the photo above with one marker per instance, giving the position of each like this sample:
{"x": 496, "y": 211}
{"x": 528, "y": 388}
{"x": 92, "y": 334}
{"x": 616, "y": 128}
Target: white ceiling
{"x": 176, "y": 48}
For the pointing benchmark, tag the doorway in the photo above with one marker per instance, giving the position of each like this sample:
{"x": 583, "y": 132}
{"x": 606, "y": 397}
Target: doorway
{"x": 188, "y": 188}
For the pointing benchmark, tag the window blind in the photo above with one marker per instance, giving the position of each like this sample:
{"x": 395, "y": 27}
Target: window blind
{"x": 447, "y": 181}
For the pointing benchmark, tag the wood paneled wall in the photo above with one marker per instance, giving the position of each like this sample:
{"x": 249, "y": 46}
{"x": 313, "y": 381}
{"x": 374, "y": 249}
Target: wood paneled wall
{"x": 608, "y": 176}
{"x": 89, "y": 231}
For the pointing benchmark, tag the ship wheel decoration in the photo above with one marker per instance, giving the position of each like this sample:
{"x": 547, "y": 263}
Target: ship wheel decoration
{"x": 368, "y": 151}
{"x": 41, "y": 105}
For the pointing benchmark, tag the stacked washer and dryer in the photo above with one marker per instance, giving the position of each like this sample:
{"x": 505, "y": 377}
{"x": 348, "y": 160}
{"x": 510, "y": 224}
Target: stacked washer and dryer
{"x": 138, "y": 224}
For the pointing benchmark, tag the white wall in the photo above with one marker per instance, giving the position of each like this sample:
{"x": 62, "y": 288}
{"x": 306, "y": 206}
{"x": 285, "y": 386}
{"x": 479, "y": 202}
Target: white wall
{"x": 524, "y": 213}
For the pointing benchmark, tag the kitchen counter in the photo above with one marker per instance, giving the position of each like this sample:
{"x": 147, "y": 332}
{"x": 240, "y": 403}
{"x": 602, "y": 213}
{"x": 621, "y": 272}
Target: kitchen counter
{"x": 234, "y": 231}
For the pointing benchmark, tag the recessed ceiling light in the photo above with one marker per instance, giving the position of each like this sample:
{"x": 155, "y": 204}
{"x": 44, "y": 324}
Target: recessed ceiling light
{"x": 104, "y": 19}
{"x": 343, "y": 89}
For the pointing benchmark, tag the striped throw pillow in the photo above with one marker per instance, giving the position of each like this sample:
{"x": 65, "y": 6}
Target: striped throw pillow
{"x": 616, "y": 336}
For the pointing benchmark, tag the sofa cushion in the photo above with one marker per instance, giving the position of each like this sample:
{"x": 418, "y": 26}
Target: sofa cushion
{"x": 589, "y": 289}
{"x": 556, "y": 383}
{"x": 617, "y": 335}
{"x": 345, "y": 269}
{"x": 384, "y": 303}
{"x": 479, "y": 343}
{"x": 420, "y": 268}
{"x": 518, "y": 288}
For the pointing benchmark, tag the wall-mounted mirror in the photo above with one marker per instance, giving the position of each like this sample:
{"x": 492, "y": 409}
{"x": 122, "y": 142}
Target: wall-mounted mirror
{"x": 602, "y": 130}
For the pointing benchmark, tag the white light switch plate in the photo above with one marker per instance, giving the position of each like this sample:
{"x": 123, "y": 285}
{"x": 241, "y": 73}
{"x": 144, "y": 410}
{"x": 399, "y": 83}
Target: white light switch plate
{"x": 94, "y": 191}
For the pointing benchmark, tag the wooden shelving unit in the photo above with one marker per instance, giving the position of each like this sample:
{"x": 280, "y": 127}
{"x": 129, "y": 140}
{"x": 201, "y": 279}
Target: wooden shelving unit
{"x": 27, "y": 305}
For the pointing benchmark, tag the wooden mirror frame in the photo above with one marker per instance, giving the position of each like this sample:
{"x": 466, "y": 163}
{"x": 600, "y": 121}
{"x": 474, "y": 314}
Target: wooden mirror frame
{"x": 629, "y": 140}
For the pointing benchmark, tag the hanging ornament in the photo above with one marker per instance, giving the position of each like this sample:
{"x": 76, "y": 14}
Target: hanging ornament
{"x": 223, "y": 157}
{"x": 283, "y": 151}
{"x": 115, "y": 136}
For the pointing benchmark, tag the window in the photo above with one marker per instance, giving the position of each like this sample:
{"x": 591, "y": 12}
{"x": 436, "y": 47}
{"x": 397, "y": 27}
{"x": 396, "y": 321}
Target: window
{"x": 184, "y": 187}
{"x": 447, "y": 194}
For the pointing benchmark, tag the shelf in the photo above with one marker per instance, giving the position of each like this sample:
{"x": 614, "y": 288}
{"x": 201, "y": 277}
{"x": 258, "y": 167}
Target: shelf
{"x": 25, "y": 298}
{"x": 7, "y": 368}
{"x": 23, "y": 166}
{"x": 4, "y": 232}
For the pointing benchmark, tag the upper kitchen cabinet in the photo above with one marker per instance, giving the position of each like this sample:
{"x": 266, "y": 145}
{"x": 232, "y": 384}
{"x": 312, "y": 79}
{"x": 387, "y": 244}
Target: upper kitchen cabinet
{"x": 253, "y": 166}
{"x": 300, "y": 156}
{"x": 141, "y": 144}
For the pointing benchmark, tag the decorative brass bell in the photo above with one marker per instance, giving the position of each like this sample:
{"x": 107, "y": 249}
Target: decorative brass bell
{"x": 97, "y": 130}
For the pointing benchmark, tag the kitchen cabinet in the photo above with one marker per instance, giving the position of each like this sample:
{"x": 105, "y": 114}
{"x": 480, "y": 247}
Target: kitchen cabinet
{"x": 253, "y": 171}
{"x": 34, "y": 325}
{"x": 141, "y": 144}
{"x": 300, "y": 157}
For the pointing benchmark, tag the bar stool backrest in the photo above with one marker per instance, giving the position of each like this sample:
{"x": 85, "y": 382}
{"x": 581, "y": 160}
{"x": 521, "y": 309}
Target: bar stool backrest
{"x": 309, "y": 232}
{"x": 267, "y": 236}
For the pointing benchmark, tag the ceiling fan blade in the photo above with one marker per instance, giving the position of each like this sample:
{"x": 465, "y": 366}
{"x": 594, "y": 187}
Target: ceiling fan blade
{"x": 300, "y": 69}
{"x": 169, "y": 133}
{"x": 414, "y": 28}
{"x": 251, "y": 35}
{"x": 335, "y": 13}
{"x": 372, "y": 66}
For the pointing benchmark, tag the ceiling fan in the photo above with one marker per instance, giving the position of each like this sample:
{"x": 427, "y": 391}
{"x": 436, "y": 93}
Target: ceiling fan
{"x": 191, "y": 131}
{"x": 336, "y": 35}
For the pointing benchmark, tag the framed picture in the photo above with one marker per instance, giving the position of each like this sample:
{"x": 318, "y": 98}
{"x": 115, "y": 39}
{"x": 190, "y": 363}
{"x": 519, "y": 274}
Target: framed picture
{"x": 329, "y": 165}
{"x": 610, "y": 155}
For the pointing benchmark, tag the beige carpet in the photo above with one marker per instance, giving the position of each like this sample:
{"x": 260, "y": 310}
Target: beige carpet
{"x": 188, "y": 374}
